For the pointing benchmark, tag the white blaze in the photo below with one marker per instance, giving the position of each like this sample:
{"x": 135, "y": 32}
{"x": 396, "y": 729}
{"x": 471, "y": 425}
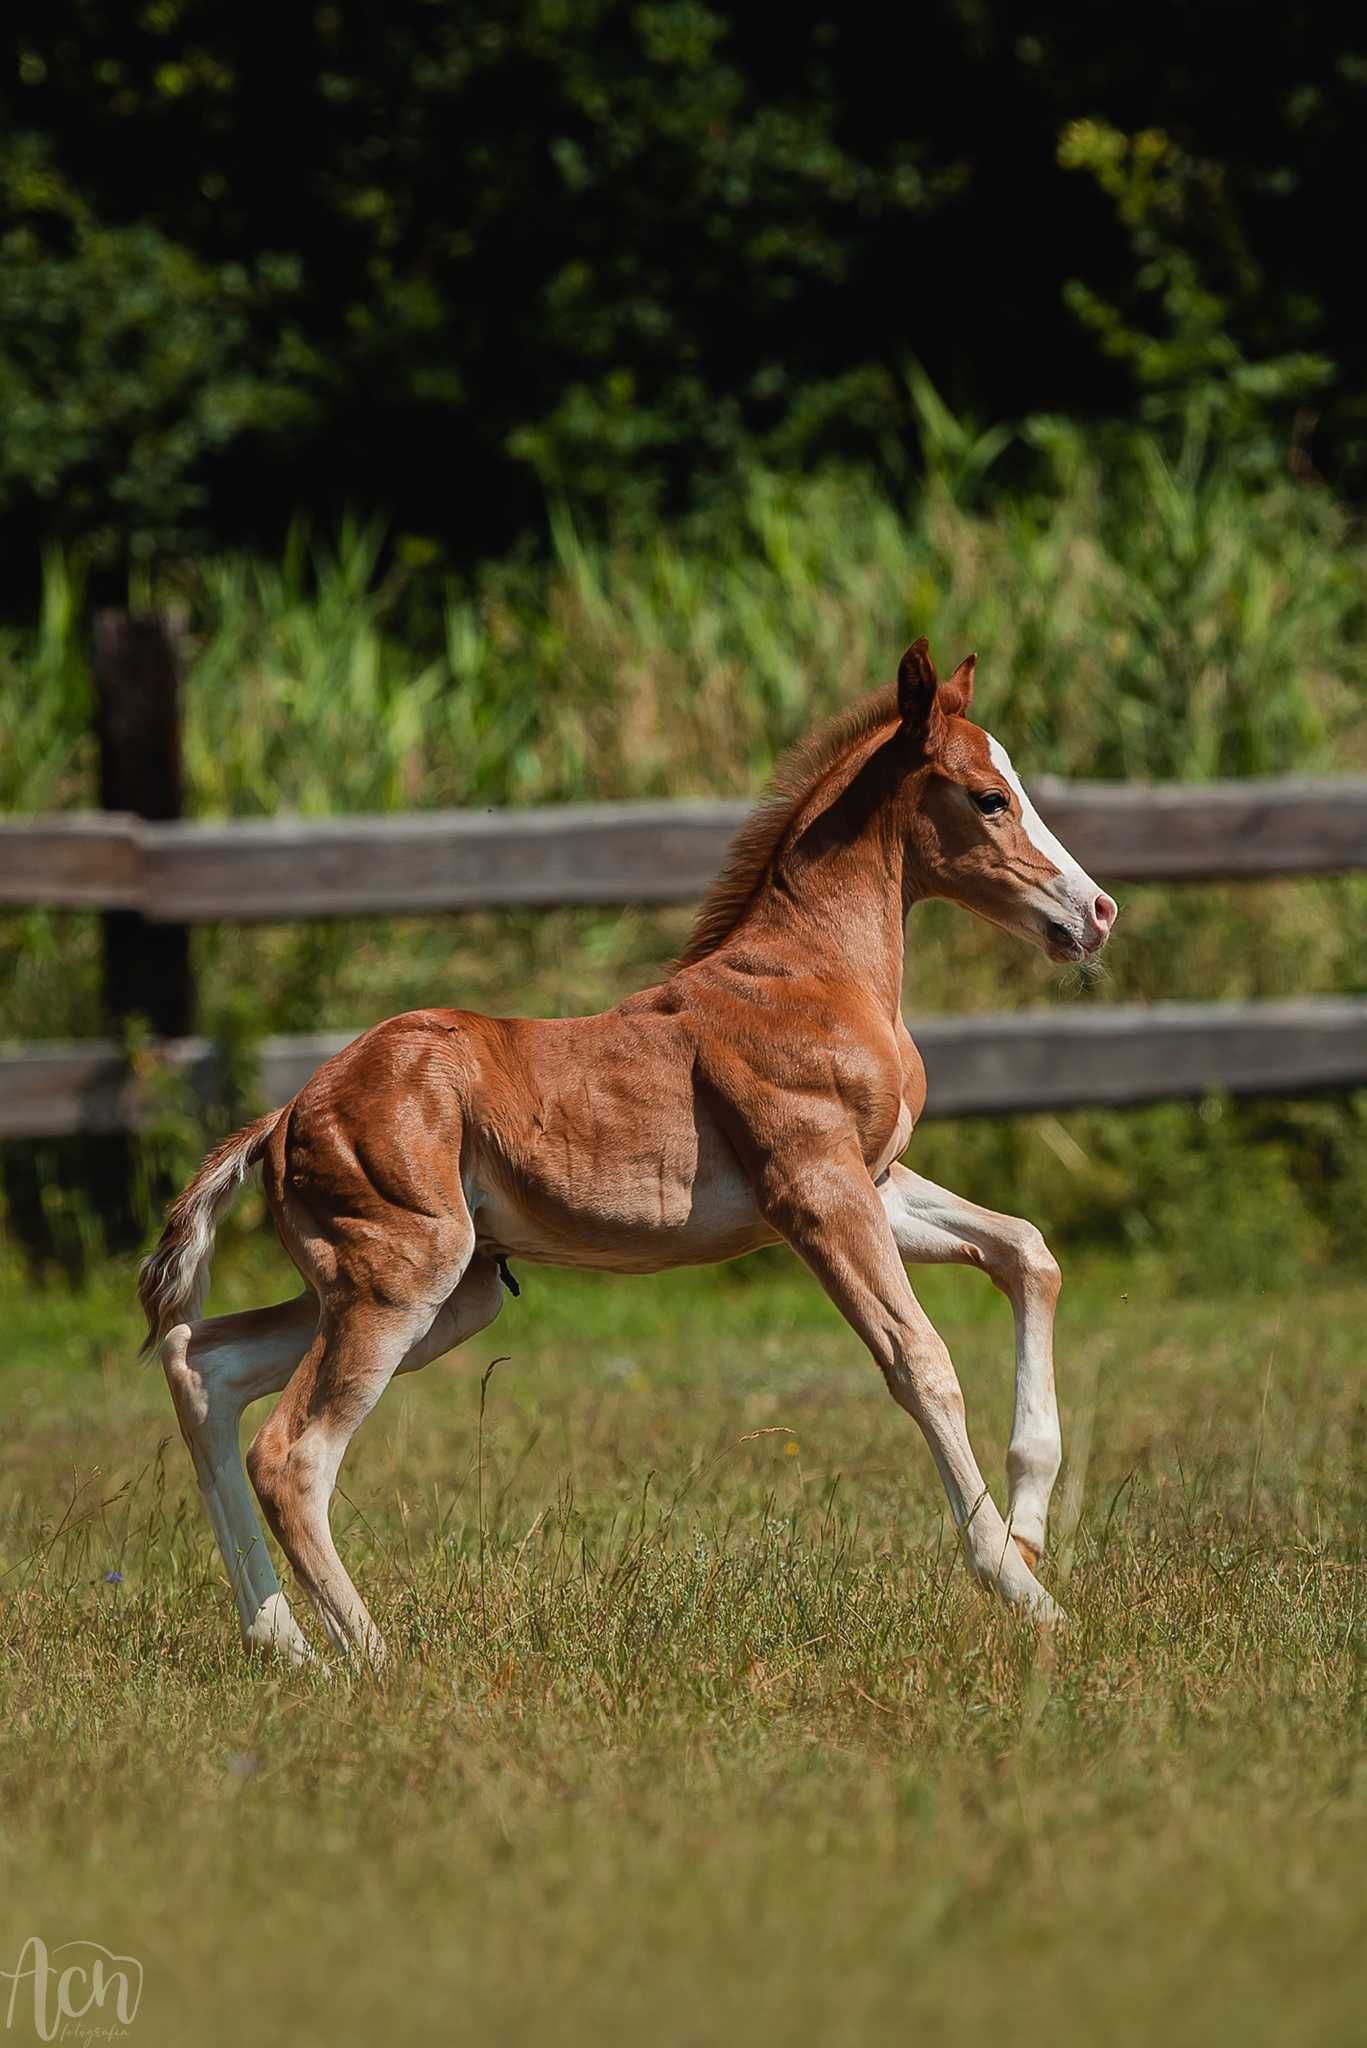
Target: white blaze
{"x": 1036, "y": 831}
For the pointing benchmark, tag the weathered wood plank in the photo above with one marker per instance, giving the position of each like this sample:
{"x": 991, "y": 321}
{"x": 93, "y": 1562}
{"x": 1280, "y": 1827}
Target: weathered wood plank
{"x": 436, "y": 861}
{"x": 1175, "y": 831}
{"x": 245, "y": 871}
{"x": 1117, "y": 1055}
{"x": 81, "y": 860}
{"x": 61, "y": 1090}
{"x": 1099, "y": 1056}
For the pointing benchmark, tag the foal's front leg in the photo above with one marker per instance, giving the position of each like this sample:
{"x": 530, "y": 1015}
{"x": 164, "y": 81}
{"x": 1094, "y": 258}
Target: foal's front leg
{"x": 829, "y": 1211}
{"x": 934, "y": 1227}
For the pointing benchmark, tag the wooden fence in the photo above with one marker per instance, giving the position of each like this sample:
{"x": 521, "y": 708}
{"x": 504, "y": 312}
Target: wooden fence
{"x": 153, "y": 875}
{"x": 248, "y": 871}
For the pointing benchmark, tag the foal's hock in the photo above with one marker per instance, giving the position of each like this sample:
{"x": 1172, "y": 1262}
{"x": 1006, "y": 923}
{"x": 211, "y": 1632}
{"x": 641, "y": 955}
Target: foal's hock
{"x": 766, "y": 1090}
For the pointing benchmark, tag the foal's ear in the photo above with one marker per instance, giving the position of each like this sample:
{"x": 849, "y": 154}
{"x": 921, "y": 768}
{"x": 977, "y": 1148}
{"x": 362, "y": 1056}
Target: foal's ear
{"x": 918, "y": 693}
{"x": 957, "y": 694}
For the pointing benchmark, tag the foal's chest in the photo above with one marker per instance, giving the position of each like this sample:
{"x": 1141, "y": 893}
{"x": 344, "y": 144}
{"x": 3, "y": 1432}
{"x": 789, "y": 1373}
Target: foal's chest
{"x": 883, "y": 1145}
{"x": 913, "y": 1078}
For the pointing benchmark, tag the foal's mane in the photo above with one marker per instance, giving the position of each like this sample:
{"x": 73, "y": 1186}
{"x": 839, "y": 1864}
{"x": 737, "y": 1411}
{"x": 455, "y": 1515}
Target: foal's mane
{"x": 794, "y": 781}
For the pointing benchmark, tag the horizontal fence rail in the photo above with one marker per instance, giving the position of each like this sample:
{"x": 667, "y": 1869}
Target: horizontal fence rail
{"x": 1114, "y": 1056}
{"x": 250, "y": 871}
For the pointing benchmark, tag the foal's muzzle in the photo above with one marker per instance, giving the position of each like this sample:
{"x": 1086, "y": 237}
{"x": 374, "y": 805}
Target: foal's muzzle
{"x": 1081, "y": 934}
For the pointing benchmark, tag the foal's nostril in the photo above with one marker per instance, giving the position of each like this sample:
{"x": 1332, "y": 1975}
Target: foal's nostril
{"x": 1105, "y": 910}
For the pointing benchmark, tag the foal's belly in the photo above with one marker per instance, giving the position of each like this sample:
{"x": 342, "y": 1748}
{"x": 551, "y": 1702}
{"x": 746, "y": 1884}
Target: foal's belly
{"x": 640, "y": 1215}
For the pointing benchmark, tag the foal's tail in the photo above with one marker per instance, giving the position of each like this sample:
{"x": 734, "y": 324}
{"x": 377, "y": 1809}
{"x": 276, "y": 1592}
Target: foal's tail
{"x": 174, "y": 1279}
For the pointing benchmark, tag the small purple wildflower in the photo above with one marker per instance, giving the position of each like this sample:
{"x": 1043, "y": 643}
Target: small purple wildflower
{"x": 113, "y": 1578}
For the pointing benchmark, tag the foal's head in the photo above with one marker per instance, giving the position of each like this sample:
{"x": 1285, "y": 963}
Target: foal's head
{"x": 973, "y": 835}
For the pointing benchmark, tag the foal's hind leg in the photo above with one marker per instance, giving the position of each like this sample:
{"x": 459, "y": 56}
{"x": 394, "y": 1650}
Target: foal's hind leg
{"x": 295, "y": 1459}
{"x": 214, "y": 1370}
{"x": 934, "y": 1227}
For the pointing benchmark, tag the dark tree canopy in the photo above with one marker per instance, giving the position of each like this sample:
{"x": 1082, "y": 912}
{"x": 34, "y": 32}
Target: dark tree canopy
{"x": 441, "y": 256}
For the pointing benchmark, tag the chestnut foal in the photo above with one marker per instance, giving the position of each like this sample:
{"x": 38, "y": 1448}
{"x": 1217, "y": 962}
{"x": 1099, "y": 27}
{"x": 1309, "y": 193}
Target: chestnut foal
{"x": 764, "y": 1092}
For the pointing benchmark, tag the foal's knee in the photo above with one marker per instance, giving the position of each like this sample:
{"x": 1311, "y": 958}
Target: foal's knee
{"x": 469, "y": 1309}
{"x": 481, "y": 1294}
{"x": 1027, "y": 1267}
{"x": 476, "y": 1301}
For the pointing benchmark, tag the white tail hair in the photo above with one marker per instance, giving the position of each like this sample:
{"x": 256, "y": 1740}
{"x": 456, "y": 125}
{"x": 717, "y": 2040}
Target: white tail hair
{"x": 174, "y": 1280}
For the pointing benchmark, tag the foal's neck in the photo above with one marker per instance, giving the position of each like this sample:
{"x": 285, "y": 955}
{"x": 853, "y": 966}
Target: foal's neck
{"x": 838, "y": 895}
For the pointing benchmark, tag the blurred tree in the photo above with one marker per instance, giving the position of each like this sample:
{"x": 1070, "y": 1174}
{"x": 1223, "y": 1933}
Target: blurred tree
{"x": 126, "y": 364}
{"x": 443, "y": 255}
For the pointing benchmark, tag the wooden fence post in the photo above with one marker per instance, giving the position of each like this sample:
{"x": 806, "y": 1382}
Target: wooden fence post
{"x": 137, "y": 712}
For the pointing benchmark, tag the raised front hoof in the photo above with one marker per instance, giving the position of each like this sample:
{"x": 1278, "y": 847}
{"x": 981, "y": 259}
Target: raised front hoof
{"x": 274, "y": 1632}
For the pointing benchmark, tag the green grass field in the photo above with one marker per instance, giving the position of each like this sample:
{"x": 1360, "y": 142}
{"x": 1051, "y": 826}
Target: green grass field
{"x": 698, "y": 1732}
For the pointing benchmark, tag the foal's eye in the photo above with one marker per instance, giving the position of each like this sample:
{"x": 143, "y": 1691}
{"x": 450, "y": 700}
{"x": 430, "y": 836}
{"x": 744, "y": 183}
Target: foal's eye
{"x": 992, "y": 802}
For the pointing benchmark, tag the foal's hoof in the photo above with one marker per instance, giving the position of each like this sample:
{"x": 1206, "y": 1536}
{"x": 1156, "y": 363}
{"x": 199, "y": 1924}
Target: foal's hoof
{"x": 1031, "y": 1552}
{"x": 273, "y": 1631}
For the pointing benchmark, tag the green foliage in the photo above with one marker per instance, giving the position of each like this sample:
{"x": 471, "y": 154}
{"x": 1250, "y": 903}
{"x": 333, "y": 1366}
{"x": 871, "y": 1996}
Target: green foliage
{"x": 1139, "y": 615}
{"x": 48, "y": 757}
{"x": 1200, "y": 359}
{"x": 297, "y": 663}
{"x": 125, "y": 363}
{"x": 561, "y": 240}
{"x": 457, "y": 255}
{"x": 1194, "y": 1195}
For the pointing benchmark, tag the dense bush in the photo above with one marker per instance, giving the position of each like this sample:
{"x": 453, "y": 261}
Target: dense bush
{"x": 1139, "y": 614}
{"x": 444, "y": 256}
